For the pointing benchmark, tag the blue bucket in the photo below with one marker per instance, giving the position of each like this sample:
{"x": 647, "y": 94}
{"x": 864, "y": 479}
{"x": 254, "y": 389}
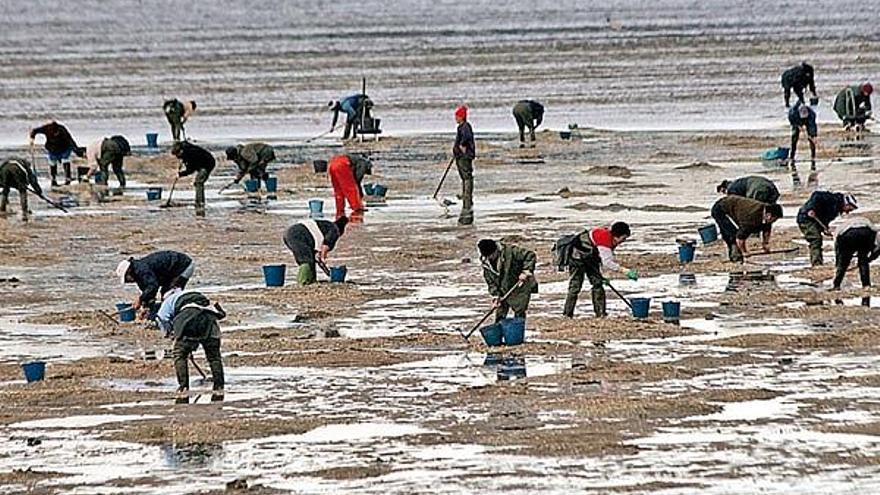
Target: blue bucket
{"x": 671, "y": 310}
{"x": 379, "y": 190}
{"x": 368, "y": 189}
{"x": 251, "y": 185}
{"x": 708, "y": 233}
{"x": 316, "y": 207}
{"x": 274, "y": 275}
{"x": 34, "y": 371}
{"x": 152, "y": 140}
{"x": 337, "y": 273}
{"x": 99, "y": 178}
{"x": 777, "y": 153}
{"x": 640, "y": 306}
{"x": 154, "y": 193}
{"x": 513, "y": 330}
{"x": 492, "y": 334}
{"x": 126, "y": 312}
{"x": 686, "y": 253}
{"x": 272, "y": 184}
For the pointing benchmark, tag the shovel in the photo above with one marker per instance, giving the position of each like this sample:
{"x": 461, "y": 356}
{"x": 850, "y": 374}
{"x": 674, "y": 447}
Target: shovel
{"x": 446, "y": 202}
{"x": 488, "y": 313}
{"x": 227, "y": 186}
{"x": 171, "y": 193}
{"x": 205, "y": 378}
{"x": 777, "y": 251}
{"x": 52, "y": 203}
{"x": 319, "y": 136}
{"x": 608, "y": 283}
{"x": 323, "y": 266}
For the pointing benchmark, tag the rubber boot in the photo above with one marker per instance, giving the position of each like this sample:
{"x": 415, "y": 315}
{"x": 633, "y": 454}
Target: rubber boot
{"x": 306, "y": 274}
{"x": 67, "y": 178}
{"x": 53, "y": 171}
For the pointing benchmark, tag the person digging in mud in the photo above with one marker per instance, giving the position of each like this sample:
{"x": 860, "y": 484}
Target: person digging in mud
{"x": 464, "y": 150}
{"x": 195, "y": 160}
{"x": 346, "y": 173}
{"x": 310, "y": 241}
{"x": 104, "y": 152}
{"x": 59, "y": 146}
{"x": 178, "y": 113}
{"x": 800, "y": 117}
{"x": 739, "y": 218}
{"x": 593, "y": 250}
{"x": 751, "y": 186}
{"x": 856, "y": 236}
{"x": 504, "y": 267}
{"x": 355, "y": 107}
{"x": 155, "y": 275}
{"x": 17, "y": 173}
{"x": 191, "y": 319}
{"x": 798, "y": 78}
{"x": 252, "y": 159}
{"x": 817, "y": 213}
{"x": 528, "y": 113}
{"x": 853, "y": 106}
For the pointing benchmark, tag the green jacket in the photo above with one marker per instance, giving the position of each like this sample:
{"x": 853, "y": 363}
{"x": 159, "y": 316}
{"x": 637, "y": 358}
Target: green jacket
{"x": 17, "y": 173}
{"x": 513, "y": 261}
{"x": 851, "y": 103}
{"x": 746, "y": 213}
{"x": 253, "y": 155}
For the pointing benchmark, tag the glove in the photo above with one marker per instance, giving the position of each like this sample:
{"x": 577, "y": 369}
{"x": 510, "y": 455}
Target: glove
{"x": 632, "y": 274}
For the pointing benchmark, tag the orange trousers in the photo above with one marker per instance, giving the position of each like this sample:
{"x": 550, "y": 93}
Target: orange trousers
{"x": 344, "y": 186}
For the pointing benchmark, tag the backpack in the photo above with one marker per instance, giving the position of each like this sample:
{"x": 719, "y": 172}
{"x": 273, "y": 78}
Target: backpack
{"x": 562, "y": 250}
{"x": 195, "y": 323}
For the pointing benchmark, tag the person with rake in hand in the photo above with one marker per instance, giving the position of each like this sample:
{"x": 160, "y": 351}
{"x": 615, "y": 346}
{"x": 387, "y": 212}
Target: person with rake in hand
{"x": 508, "y": 268}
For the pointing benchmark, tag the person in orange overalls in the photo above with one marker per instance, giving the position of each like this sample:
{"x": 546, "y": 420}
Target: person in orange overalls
{"x": 346, "y": 174}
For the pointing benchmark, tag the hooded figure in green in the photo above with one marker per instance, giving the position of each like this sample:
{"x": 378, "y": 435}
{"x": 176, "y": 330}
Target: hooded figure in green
{"x": 504, "y": 267}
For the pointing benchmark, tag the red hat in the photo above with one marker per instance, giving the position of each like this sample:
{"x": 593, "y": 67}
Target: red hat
{"x": 461, "y": 112}
{"x": 867, "y": 88}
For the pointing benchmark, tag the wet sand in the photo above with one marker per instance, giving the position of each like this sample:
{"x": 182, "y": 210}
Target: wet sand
{"x": 769, "y": 379}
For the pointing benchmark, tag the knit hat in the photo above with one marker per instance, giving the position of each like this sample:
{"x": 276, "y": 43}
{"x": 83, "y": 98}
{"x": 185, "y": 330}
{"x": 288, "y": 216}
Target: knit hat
{"x": 850, "y": 200}
{"x": 122, "y": 269}
{"x": 461, "y": 112}
{"x": 867, "y": 88}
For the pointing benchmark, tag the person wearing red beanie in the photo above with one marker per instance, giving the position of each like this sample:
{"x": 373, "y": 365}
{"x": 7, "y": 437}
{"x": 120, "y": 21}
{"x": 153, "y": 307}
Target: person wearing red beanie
{"x": 464, "y": 151}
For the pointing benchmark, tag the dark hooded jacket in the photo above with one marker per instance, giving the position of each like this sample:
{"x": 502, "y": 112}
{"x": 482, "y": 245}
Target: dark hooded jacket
{"x": 157, "y": 271}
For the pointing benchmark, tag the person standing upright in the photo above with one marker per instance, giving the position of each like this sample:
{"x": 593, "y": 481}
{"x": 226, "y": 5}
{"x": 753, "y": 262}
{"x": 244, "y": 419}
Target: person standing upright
{"x": 464, "y": 151}
{"x": 798, "y": 78}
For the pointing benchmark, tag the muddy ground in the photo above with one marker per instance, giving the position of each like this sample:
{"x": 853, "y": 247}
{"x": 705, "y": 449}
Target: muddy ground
{"x": 768, "y": 380}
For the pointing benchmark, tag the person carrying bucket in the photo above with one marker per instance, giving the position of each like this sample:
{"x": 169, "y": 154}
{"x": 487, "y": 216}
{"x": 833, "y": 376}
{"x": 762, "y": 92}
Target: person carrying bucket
{"x": 464, "y": 150}
{"x": 505, "y": 266}
{"x": 17, "y": 173}
{"x": 798, "y": 78}
{"x": 802, "y": 117}
{"x": 191, "y": 319}
{"x": 155, "y": 275}
{"x": 347, "y": 172}
{"x": 856, "y": 236}
{"x": 853, "y": 106}
{"x": 251, "y": 158}
{"x": 356, "y": 107}
{"x": 59, "y": 145}
{"x": 739, "y": 218}
{"x": 177, "y": 113}
{"x": 195, "y": 160}
{"x": 310, "y": 241}
{"x": 592, "y": 250}
{"x": 528, "y": 114}
{"x": 104, "y": 152}
{"x": 815, "y": 216}
{"x": 751, "y": 186}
